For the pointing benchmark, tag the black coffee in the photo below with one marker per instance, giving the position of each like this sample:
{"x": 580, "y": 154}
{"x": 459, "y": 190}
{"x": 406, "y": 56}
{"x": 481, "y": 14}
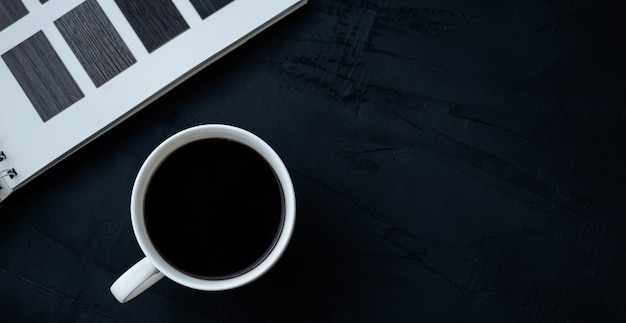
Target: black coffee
{"x": 214, "y": 208}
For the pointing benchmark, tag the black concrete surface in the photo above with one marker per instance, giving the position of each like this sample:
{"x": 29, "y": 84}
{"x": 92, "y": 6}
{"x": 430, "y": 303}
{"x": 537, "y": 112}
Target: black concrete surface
{"x": 454, "y": 161}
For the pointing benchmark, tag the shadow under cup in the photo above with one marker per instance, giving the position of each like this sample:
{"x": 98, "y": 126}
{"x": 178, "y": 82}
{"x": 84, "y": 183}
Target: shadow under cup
{"x": 214, "y": 209}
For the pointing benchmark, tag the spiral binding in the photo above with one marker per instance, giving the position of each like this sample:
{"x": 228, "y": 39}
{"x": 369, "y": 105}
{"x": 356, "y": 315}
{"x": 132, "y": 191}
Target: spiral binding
{"x": 6, "y": 172}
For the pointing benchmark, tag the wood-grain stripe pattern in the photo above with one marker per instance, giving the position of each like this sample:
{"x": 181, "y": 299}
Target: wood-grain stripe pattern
{"x": 207, "y": 7}
{"x": 42, "y": 75}
{"x": 10, "y": 12}
{"x": 95, "y": 42}
{"x": 155, "y": 22}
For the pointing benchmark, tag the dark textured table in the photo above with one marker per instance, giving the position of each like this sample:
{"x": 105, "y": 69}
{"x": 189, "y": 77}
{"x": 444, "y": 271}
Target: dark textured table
{"x": 454, "y": 161}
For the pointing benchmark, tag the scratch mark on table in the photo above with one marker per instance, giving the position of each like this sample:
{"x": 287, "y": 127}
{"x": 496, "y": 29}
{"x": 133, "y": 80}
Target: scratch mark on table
{"x": 47, "y": 290}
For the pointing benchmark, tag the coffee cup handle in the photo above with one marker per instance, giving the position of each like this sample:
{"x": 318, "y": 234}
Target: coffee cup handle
{"x": 135, "y": 280}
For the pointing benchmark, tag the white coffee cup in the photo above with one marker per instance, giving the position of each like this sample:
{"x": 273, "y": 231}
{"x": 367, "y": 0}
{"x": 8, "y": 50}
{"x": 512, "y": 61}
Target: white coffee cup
{"x": 153, "y": 267}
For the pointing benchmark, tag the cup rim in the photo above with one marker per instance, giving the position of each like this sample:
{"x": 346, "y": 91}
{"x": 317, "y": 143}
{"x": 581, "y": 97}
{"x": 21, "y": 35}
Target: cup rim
{"x": 154, "y": 160}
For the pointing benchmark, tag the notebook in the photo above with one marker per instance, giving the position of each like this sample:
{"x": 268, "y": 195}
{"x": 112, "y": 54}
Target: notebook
{"x": 70, "y": 70}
